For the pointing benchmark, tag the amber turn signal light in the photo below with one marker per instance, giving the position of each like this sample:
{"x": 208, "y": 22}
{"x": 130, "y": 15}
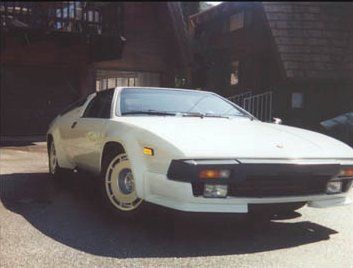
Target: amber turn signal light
{"x": 214, "y": 174}
{"x": 148, "y": 151}
{"x": 347, "y": 172}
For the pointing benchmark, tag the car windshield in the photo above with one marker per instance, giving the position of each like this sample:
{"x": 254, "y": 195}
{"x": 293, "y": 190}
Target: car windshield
{"x": 153, "y": 101}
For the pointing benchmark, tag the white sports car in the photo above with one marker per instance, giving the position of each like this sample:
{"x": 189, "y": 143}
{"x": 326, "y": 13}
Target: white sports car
{"x": 195, "y": 151}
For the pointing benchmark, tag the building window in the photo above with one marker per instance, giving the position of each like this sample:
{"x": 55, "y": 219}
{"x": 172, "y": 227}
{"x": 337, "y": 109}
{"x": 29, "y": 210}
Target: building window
{"x": 297, "y": 100}
{"x": 111, "y": 82}
{"x": 110, "y": 79}
{"x": 234, "y": 74}
{"x": 236, "y": 21}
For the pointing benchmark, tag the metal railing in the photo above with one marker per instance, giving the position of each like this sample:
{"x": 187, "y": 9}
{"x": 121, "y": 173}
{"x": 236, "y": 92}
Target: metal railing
{"x": 239, "y": 99}
{"x": 259, "y": 105}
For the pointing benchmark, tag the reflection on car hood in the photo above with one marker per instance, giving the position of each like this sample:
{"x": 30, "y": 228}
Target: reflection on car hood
{"x": 240, "y": 138}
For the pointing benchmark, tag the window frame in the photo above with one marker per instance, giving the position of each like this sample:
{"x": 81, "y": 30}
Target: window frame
{"x": 239, "y": 13}
{"x": 100, "y": 94}
{"x": 297, "y": 100}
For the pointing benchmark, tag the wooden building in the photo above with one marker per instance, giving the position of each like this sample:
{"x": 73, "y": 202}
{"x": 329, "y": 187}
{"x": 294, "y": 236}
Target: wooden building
{"x": 55, "y": 52}
{"x": 301, "y": 51}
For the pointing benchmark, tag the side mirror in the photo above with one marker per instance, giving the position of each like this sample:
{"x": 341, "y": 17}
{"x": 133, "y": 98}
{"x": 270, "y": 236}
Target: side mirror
{"x": 277, "y": 120}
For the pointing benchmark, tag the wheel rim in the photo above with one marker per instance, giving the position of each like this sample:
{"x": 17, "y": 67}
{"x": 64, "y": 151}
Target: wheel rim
{"x": 120, "y": 184}
{"x": 52, "y": 159}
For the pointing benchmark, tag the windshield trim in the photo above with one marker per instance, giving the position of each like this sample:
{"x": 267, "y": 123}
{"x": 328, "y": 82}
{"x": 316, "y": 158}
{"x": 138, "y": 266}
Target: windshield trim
{"x": 243, "y": 112}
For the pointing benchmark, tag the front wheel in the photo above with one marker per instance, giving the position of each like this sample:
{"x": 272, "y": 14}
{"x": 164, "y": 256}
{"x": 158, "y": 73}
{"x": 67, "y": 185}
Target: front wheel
{"x": 118, "y": 186}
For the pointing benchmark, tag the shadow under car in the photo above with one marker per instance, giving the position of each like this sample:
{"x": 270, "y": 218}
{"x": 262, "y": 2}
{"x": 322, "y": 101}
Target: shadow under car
{"x": 69, "y": 211}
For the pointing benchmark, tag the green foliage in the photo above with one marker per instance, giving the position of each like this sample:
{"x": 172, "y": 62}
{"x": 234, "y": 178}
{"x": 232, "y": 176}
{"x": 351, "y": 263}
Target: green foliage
{"x": 180, "y": 81}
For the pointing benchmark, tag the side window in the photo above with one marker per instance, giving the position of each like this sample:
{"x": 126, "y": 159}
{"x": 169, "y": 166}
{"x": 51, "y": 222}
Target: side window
{"x": 74, "y": 105}
{"x": 100, "y": 105}
{"x": 92, "y": 108}
{"x": 106, "y": 104}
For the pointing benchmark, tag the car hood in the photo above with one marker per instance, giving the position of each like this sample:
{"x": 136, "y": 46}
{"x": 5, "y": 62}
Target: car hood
{"x": 241, "y": 138}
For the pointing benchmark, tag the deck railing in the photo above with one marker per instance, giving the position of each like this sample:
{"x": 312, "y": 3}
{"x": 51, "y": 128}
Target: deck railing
{"x": 239, "y": 98}
{"x": 70, "y": 16}
{"x": 259, "y": 105}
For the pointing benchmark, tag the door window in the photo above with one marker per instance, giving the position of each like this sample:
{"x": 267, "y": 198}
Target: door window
{"x": 100, "y": 105}
{"x": 74, "y": 105}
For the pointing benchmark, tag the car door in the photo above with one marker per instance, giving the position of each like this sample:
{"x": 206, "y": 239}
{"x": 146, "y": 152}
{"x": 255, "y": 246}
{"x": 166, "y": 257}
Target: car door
{"x": 89, "y": 131}
{"x": 67, "y": 118}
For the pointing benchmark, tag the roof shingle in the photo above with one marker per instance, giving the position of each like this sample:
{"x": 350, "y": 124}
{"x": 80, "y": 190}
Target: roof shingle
{"x": 314, "y": 40}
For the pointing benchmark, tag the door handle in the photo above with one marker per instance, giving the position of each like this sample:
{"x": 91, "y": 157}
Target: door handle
{"x": 73, "y": 124}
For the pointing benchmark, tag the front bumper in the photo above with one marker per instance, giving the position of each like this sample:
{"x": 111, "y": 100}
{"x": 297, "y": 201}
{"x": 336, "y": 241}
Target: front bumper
{"x": 179, "y": 195}
{"x": 259, "y": 179}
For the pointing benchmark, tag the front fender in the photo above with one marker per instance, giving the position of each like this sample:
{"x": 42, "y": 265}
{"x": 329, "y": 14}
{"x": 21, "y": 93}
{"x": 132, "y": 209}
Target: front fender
{"x": 134, "y": 139}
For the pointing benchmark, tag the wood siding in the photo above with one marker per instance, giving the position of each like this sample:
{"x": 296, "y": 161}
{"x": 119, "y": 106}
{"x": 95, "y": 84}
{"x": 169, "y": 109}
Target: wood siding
{"x": 149, "y": 44}
{"x": 249, "y": 45}
{"x": 43, "y": 69}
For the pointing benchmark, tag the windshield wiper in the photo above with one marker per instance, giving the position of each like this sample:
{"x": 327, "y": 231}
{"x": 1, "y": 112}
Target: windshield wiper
{"x": 151, "y": 112}
{"x": 202, "y": 115}
{"x": 216, "y": 115}
{"x": 244, "y": 115}
{"x": 192, "y": 114}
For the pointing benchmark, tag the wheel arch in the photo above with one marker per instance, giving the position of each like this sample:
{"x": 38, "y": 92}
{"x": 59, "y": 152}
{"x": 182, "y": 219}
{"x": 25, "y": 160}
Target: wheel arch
{"x": 110, "y": 148}
{"x": 49, "y": 140}
{"x": 129, "y": 147}
{"x": 64, "y": 162}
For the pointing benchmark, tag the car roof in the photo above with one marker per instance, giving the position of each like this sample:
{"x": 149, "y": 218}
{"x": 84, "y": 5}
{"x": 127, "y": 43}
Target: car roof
{"x": 166, "y": 88}
{"x": 161, "y": 88}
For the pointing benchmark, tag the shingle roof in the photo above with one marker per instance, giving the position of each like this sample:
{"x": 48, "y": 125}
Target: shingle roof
{"x": 313, "y": 39}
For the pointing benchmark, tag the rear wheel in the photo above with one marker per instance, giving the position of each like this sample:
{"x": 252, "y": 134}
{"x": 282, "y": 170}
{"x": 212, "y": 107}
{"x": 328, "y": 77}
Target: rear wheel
{"x": 54, "y": 169}
{"x": 118, "y": 186}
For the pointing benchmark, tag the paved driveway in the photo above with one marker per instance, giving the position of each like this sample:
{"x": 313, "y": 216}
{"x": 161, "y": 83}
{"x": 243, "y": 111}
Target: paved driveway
{"x": 46, "y": 224}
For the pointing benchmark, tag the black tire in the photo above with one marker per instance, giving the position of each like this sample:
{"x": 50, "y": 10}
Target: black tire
{"x": 55, "y": 171}
{"x": 112, "y": 191}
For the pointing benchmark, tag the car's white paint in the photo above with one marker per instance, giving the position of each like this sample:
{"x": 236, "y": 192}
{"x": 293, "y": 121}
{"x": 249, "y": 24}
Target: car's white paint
{"x": 191, "y": 138}
{"x": 240, "y": 137}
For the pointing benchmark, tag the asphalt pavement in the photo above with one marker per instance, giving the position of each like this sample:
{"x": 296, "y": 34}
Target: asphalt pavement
{"x": 45, "y": 223}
